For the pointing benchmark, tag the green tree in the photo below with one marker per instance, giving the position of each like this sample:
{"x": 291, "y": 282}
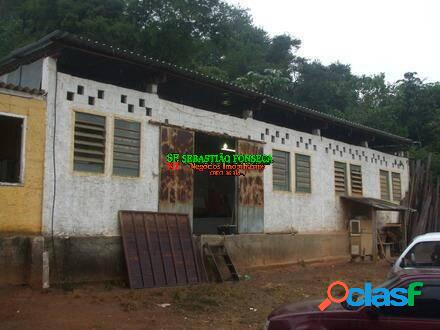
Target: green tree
{"x": 201, "y": 34}
{"x": 271, "y": 82}
{"x": 330, "y": 89}
{"x": 220, "y": 40}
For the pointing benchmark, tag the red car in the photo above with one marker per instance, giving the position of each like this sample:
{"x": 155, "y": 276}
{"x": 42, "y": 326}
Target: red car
{"x": 425, "y": 314}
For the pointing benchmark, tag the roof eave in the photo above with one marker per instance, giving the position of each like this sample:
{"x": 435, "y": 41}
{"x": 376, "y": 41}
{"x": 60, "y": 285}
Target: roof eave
{"x": 60, "y": 39}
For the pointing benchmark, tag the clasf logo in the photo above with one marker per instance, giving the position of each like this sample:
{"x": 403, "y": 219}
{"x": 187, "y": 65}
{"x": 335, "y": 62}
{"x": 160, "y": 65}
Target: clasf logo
{"x": 373, "y": 297}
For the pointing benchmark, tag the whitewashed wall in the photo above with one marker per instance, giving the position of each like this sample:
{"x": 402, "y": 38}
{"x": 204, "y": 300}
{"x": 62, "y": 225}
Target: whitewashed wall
{"x": 87, "y": 204}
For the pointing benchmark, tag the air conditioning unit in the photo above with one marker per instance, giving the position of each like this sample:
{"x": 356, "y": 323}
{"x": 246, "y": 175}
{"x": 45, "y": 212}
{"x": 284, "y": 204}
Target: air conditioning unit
{"x": 361, "y": 240}
{"x": 355, "y": 227}
{"x": 355, "y": 249}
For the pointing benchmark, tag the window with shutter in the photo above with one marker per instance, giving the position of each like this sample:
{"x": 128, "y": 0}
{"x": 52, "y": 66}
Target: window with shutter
{"x": 89, "y": 143}
{"x": 303, "y": 180}
{"x": 126, "y": 148}
{"x": 384, "y": 185}
{"x": 340, "y": 177}
{"x": 397, "y": 187}
{"x": 281, "y": 170}
{"x": 356, "y": 179}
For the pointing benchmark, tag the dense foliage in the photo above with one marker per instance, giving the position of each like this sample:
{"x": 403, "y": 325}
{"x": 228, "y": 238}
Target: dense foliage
{"x": 220, "y": 39}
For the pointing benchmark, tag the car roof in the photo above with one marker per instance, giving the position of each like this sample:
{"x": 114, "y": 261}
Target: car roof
{"x": 428, "y": 237}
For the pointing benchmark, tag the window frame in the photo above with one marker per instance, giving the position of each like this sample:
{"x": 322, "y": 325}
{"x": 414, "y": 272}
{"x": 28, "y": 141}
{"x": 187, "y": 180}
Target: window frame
{"x": 388, "y": 185}
{"x": 351, "y": 180}
{"x": 114, "y": 119}
{"x": 106, "y": 143}
{"x": 21, "y": 180}
{"x": 345, "y": 192}
{"x": 393, "y": 198}
{"x": 289, "y": 174}
{"x": 296, "y": 173}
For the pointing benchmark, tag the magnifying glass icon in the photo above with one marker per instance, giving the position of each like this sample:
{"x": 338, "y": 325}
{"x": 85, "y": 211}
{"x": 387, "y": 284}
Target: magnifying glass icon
{"x": 327, "y": 301}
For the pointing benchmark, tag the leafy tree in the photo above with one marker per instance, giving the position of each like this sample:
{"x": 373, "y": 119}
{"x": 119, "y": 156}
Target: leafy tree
{"x": 221, "y": 40}
{"x": 330, "y": 89}
{"x": 271, "y": 82}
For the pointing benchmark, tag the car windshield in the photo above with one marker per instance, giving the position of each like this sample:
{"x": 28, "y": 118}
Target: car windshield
{"x": 387, "y": 284}
{"x": 423, "y": 254}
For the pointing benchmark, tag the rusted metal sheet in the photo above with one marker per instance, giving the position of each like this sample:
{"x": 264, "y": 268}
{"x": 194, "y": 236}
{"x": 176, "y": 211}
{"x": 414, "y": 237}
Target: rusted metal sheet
{"x": 250, "y": 193}
{"x": 176, "y": 186}
{"x": 378, "y": 204}
{"x": 159, "y": 249}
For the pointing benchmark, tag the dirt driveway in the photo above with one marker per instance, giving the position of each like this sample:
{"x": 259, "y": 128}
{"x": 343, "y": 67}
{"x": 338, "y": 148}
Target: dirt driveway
{"x": 222, "y": 306}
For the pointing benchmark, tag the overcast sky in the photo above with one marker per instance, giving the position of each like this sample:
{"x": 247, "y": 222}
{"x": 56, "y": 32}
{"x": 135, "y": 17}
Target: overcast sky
{"x": 390, "y": 36}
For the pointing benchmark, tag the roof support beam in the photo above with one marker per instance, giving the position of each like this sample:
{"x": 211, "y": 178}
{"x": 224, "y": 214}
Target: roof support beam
{"x": 316, "y": 131}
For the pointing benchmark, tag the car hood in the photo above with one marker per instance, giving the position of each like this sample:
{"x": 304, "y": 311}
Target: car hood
{"x": 308, "y": 306}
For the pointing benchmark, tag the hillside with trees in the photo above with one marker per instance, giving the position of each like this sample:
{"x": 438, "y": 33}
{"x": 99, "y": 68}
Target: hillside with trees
{"x": 220, "y": 39}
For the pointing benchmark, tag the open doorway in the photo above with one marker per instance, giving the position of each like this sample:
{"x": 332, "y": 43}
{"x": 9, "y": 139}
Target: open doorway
{"x": 214, "y": 196}
{"x": 11, "y": 146}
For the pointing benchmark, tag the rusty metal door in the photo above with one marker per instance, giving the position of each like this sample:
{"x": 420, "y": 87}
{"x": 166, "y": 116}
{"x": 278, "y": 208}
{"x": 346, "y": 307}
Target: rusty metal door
{"x": 176, "y": 186}
{"x": 250, "y": 194}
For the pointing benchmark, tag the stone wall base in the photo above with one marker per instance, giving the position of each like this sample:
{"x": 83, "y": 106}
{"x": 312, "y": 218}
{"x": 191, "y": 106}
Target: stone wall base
{"x": 98, "y": 259}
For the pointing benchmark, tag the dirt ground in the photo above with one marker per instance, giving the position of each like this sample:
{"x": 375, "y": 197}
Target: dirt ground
{"x": 237, "y": 305}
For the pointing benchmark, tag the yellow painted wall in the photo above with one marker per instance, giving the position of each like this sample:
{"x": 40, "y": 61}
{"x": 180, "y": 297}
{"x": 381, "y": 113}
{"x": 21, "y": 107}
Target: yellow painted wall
{"x": 21, "y": 206}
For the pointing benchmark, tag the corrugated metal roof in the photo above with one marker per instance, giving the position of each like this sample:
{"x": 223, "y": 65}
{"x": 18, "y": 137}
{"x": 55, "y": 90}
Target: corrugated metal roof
{"x": 28, "y": 90}
{"x": 378, "y": 204}
{"x": 59, "y": 39}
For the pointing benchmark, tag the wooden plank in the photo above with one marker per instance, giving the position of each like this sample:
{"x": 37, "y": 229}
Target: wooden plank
{"x": 126, "y": 157}
{"x": 143, "y": 250}
{"x": 126, "y": 150}
{"x": 165, "y": 248}
{"x": 130, "y": 251}
{"x": 181, "y": 250}
{"x": 126, "y": 164}
{"x": 155, "y": 251}
{"x": 89, "y": 135}
{"x": 126, "y": 142}
{"x": 89, "y": 144}
{"x": 173, "y": 234}
{"x": 127, "y": 125}
{"x": 88, "y": 119}
{"x": 188, "y": 251}
{"x": 89, "y": 160}
{"x": 125, "y": 134}
{"x": 89, "y": 151}
{"x": 147, "y": 240}
{"x": 100, "y": 129}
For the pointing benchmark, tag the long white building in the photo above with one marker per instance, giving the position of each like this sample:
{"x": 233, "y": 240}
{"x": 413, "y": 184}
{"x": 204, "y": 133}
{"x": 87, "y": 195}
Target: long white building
{"x": 112, "y": 115}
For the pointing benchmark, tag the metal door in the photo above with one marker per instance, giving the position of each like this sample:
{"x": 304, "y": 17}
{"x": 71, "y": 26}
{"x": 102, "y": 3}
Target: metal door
{"x": 176, "y": 186}
{"x": 250, "y": 193}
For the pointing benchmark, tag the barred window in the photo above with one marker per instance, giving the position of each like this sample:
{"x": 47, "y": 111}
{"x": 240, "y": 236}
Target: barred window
{"x": 384, "y": 185}
{"x": 356, "y": 179}
{"x": 397, "y": 187}
{"x": 303, "y": 180}
{"x": 281, "y": 170}
{"x": 126, "y": 148}
{"x": 89, "y": 143}
{"x": 340, "y": 177}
